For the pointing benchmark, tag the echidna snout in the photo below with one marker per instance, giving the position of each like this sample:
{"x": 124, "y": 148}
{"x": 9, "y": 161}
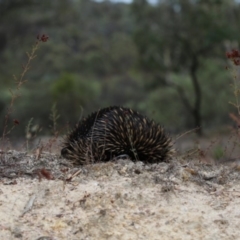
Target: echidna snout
{"x": 64, "y": 152}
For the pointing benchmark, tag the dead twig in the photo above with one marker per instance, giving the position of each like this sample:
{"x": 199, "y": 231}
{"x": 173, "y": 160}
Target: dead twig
{"x": 29, "y": 205}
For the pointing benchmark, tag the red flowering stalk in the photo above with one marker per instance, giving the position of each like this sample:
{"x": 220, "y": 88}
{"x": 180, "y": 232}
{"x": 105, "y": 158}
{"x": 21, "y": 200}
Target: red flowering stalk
{"x": 234, "y": 56}
{"x": 42, "y": 38}
{"x": 19, "y": 81}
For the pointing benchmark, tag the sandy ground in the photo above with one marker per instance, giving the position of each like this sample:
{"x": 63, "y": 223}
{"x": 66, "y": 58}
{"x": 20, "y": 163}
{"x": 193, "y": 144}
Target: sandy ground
{"x": 122, "y": 200}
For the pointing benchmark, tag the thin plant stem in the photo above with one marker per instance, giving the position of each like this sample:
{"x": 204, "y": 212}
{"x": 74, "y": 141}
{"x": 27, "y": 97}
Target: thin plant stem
{"x": 20, "y": 81}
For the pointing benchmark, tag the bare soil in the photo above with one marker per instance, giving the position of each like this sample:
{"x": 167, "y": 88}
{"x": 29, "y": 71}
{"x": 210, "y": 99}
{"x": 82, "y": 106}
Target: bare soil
{"x": 43, "y": 197}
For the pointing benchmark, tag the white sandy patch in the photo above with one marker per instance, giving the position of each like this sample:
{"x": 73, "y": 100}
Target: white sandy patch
{"x": 110, "y": 204}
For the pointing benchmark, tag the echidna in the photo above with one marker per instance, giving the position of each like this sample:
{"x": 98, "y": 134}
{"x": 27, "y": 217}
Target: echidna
{"x": 115, "y": 131}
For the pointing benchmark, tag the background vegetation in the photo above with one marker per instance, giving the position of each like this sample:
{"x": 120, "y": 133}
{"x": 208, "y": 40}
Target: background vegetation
{"x": 166, "y": 60}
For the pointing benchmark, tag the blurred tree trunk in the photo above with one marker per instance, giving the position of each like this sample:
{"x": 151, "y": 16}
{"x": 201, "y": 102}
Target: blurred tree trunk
{"x": 196, "y": 111}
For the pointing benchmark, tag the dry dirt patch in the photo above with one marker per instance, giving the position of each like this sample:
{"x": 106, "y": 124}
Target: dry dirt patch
{"x": 117, "y": 200}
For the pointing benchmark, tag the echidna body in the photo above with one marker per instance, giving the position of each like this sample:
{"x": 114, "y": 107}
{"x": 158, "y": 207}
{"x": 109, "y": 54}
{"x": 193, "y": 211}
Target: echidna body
{"x": 115, "y": 131}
